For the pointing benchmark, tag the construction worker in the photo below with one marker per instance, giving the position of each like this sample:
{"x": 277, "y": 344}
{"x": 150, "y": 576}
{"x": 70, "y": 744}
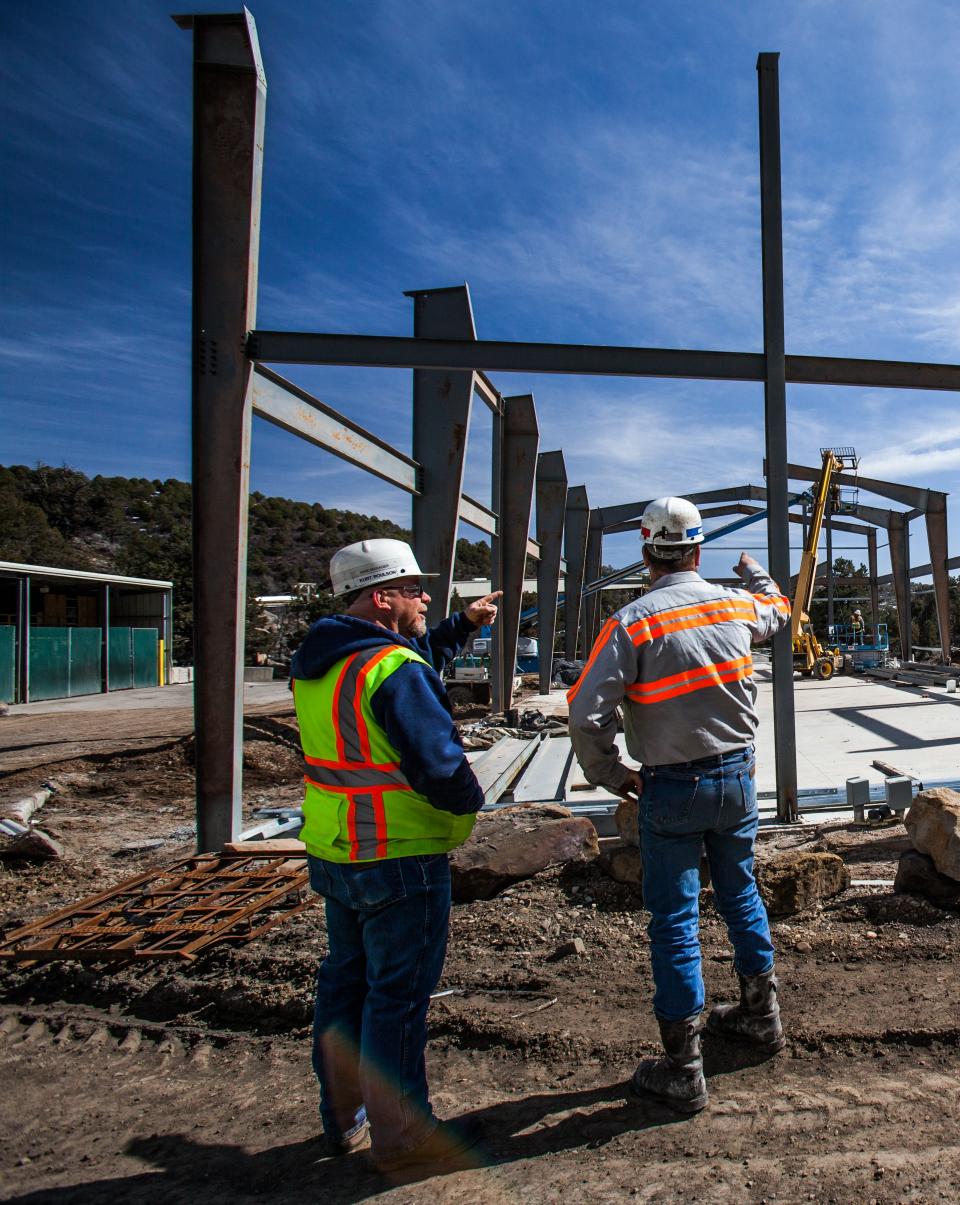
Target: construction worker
{"x": 678, "y": 661}
{"x": 388, "y": 791}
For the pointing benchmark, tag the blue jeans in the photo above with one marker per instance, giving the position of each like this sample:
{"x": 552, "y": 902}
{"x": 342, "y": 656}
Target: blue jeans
{"x": 387, "y": 931}
{"x": 711, "y": 802}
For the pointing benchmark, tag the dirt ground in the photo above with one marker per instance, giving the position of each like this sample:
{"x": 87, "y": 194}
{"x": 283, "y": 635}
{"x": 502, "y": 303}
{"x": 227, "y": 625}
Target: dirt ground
{"x": 187, "y": 1082}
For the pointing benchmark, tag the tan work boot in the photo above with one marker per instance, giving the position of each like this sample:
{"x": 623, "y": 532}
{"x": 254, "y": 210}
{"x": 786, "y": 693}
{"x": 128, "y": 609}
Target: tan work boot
{"x": 677, "y": 1078}
{"x": 756, "y": 1019}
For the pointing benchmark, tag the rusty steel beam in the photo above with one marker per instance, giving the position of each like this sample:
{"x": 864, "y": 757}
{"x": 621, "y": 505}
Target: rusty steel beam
{"x": 575, "y": 526}
{"x": 576, "y": 359}
{"x": 441, "y": 422}
{"x": 592, "y": 569}
{"x": 521, "y": 439}
{"x": 229, "y": 94}
{"x": 775, "y": 410}
{"x": 551, "y": 490}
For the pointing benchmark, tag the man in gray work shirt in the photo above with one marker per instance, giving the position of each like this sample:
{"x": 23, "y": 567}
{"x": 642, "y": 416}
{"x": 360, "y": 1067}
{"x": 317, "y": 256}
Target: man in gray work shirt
{"x": 679, "y": 662}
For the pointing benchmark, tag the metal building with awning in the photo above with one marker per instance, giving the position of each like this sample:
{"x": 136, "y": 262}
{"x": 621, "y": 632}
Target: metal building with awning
{"x": 66, "y": 632}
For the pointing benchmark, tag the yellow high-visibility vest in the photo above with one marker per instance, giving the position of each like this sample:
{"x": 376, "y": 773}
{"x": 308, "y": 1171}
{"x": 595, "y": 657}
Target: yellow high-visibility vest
{"x": 358, "y": 805}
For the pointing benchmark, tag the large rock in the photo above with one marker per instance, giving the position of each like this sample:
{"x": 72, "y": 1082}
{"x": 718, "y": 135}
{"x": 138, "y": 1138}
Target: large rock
{"x": 792, "y": 882}
{"x": 627, "y": 818}
{"x": 933, "y": 823}
{"x": 625, "y": 864}
{"x": 917, "y": 875}
{"x": 515, "y": 843}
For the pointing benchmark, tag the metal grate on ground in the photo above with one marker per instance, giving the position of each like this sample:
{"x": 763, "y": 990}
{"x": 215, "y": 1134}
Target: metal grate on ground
{"x": 171, "y": 913}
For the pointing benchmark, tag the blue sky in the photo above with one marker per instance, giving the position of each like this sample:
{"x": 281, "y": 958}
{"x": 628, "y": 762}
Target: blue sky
{"x": 590, "y": 171}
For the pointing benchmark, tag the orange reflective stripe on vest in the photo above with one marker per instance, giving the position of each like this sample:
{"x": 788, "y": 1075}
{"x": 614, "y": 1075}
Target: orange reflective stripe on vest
{"x": 690, "y": 680}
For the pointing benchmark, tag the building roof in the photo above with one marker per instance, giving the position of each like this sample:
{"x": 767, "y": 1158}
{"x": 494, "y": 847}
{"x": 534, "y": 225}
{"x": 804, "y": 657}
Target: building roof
{"x": 10, "y": 567}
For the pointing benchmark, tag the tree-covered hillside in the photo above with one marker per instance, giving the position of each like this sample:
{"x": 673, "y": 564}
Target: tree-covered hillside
{"x": 132, "y": 525}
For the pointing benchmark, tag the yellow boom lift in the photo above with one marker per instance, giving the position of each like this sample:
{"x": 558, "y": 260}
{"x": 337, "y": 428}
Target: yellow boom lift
{"x": 810, "y": 658}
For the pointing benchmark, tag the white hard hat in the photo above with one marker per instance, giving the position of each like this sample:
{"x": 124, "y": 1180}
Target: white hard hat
{"x": 671, "y": 527}
{"x": 372, "y": 562}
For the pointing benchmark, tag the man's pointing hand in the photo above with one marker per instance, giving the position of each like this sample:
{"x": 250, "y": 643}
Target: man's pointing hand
{"x": 483, "y": 610}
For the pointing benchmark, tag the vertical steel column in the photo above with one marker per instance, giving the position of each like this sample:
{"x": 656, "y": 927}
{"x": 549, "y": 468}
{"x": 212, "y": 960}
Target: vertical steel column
{"x": 575, "y": 526}
{"x": 936, "y": 521}
{"x": 551, "y": 504}
{"x": 593, "y": 568}
{"x": 105, "y": 639}
{"x": 22, "y": 694}
{"x": 521, "y": 440}
{"x": 441, "y": 424}
{"x": 228, "y": 118}
{"x": 168, "y": 633}
{"x": 775, "y": 406}
{"x": 496, "y": 561}
{"x": 872, "y": 569}
{"x": 828, "y": 525}
{"x": 899, "y": 548}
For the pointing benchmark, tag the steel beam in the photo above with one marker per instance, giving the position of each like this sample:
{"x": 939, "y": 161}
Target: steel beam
{"x": 551, "y": 491}
{"x": 521, "y": 439}
{"x": 22, "y": 694}
{"x": 899, "y": 549}
{"x": 487, "y": 392}
{"x": 828, "y": 527}
{"x": 908, "y": 495}
{"x": 872, "y": 572}
{"x": 775, "y": 409}
{"x": 452, "y": 355}
{"x": 936, "y": 521}
{"x": 293, "y": 409}
{"x": 441, "y": 421}
{"x": 592, "y": 569}
{"x": 617, "y": 518}
{"x": 497, "y": 428}
{"x": 921, "y": 571}
{"x": 741, "y": 508}
{"x": 229, "y": 99}
{"x": 477, "y": 515}
{"x": 105, "y": 637}
{"x": 576, "y": 523}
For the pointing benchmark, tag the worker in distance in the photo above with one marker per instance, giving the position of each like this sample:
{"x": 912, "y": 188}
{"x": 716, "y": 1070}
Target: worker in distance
{"x": 678, "y": 661}
{"x": 388, "y": 792}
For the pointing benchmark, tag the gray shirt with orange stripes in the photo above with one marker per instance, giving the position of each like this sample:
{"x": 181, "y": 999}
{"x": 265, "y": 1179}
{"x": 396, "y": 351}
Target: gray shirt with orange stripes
{"x": 679, "y": 662}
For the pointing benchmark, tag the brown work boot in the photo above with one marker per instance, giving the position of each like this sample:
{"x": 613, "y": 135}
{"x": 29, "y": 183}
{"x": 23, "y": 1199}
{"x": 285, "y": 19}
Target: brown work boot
{"x": 677, "y": 1078}
{"x": 756, "y": 1019}
{"x": 450, "y": 1141}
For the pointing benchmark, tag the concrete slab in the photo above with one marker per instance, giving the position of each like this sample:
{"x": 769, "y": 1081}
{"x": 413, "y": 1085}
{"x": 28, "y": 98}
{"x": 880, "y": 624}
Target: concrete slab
{"x": 842, "y": 726}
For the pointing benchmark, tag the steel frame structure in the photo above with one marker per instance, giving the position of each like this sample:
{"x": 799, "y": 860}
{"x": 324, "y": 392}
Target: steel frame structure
{"x": 228, "y": 350}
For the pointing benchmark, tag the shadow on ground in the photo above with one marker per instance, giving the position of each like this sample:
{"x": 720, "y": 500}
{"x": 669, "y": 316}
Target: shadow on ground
{"x": 185, "y": 1171}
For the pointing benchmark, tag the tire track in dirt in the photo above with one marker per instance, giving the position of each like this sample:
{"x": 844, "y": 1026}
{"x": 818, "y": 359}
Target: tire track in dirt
{"x": 150, "y": 1111}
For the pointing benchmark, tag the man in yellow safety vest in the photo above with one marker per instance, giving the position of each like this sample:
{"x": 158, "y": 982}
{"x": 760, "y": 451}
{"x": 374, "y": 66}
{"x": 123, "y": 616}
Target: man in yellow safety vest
{"x": 388, "y": 792}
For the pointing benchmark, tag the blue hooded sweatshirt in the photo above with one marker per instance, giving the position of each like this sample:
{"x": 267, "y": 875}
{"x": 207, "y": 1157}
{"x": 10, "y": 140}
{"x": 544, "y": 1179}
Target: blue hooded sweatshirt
{"x": 410, "y": 705}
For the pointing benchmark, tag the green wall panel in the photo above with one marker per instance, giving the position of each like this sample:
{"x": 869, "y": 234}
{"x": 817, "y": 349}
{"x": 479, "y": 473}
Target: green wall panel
{"x": 8, "y": 663}
{"x": 144, "y": 656}
{"x": 64, "y": 662}
{"x": 121, "y": 659}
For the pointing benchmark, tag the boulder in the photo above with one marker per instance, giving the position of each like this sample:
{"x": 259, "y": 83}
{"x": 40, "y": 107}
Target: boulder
{"x": 514, "y": 844}
{"x": 625, "y": 864}
{"x": 933, "y": 823}
{"x": 792, "y": 882}
{"x": 627, "y": 819}
{"x": 33, "y": 846}
{"x": 917, "y": 874}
